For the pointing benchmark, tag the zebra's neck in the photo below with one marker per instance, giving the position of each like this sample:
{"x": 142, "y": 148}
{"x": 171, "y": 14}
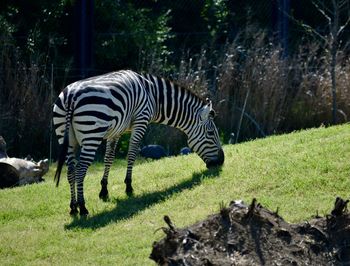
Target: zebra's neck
{"x": 174, "y": 105}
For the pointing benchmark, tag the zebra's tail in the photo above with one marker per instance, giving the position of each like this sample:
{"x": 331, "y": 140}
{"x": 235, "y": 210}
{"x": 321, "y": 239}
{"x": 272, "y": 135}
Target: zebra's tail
{"x": 61, "y": 158}
{"x": 63, "y": 149}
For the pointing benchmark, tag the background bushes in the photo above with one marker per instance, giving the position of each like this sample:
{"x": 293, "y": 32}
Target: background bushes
{"x": 229, "y": 51}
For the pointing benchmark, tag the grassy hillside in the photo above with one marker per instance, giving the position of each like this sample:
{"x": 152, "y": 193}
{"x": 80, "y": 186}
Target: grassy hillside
{"x": 300, "y": 173}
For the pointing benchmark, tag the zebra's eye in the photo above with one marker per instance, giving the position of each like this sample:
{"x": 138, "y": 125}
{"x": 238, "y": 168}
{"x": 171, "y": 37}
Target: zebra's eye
{"x": 210, "y": 132}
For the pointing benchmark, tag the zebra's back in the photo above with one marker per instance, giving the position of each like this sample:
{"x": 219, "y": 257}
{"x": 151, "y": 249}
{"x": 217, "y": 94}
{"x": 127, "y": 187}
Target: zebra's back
{"x": 104, "y": 105}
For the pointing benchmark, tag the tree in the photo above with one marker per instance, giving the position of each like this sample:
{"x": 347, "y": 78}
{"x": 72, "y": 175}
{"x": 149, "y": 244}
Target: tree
{"x": 129, "y": 36}
{"x": 337, "y": 15}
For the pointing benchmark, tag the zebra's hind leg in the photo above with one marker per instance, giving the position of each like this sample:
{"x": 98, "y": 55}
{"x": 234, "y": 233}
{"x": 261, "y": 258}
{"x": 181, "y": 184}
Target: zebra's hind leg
{"x": 108, "y": 160}
{"x": 87, "y": 155}
{"x": 80, "y": 175}
{"x": 71, "y": 163}
{"x": 137, "y": 133}
{"x": 71, "y": 181}
{"x": 73, "y": 208}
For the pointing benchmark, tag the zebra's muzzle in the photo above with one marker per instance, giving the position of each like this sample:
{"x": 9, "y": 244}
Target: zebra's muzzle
{"x": 218, "y": 161}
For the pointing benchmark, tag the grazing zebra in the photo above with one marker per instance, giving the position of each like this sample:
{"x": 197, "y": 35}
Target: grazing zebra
{"x": 104, "y": 107}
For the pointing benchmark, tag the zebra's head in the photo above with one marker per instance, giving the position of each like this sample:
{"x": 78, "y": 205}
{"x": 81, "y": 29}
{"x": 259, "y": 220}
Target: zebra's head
{"x": 204, "y": 137}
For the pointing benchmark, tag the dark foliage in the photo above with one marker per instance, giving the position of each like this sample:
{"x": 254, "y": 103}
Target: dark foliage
{"x": 231, "y": 51}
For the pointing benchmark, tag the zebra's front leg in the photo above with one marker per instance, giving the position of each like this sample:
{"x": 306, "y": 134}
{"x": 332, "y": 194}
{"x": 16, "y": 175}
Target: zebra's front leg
{"x": 108, "y": 160}
{"x": 128, "y": 180}
{"x": 138, "y": 131}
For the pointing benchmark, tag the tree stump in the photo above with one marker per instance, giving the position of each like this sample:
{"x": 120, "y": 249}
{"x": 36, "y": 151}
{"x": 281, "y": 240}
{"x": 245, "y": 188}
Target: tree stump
{"x": 9, "y": 176}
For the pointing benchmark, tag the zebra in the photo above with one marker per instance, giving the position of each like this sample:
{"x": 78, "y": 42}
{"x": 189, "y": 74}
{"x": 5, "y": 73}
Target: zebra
{"x": 103, "y": 107}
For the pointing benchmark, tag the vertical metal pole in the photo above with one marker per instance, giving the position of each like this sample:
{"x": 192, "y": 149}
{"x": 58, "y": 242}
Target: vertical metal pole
{"x": 283, "y": 24}
{"x": 285, "y": 27}
{"x": 84, "y": 34}
{"x": 243, "y": 111}
{"x": 83, "y": 39}
{"x": 51, "y": 126}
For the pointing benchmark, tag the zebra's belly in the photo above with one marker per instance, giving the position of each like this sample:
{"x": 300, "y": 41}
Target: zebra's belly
{"x": 115, "y": 129}
{"x": 105, "y": 124}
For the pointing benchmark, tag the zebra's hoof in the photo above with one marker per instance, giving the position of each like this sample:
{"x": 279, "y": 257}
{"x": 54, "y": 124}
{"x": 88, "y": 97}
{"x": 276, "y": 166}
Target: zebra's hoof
{"x": 73, "y": 212}
{"x": 83, "y": 210}
{"x": 73, "y": 208}
{"x": 129, "y": 191}
{"x": 103, "y": 194}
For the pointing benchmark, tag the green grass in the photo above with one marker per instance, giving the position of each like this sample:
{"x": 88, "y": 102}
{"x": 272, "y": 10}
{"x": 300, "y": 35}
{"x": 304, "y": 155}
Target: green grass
{"x": 300, "y": 173}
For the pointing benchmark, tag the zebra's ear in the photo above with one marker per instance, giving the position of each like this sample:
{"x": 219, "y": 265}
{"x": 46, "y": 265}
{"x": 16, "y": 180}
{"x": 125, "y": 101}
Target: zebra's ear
{"x": 212, "y": 113}
{"x": 207, "y": 111}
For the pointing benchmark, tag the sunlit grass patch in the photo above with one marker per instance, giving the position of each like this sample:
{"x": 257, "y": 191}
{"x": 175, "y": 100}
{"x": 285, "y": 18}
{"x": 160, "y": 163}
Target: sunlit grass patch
{"x": 299, "y": 173}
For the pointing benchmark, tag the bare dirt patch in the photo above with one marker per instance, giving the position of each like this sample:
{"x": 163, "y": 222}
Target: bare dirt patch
{"x": 253, "y": 235}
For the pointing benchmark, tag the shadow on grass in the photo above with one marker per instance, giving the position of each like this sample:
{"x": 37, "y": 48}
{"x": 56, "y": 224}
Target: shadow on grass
{"x": 126, "y": 208}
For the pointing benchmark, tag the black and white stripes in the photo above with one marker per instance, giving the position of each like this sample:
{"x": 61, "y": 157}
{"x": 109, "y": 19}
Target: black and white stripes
{"x": 106, "y": 106}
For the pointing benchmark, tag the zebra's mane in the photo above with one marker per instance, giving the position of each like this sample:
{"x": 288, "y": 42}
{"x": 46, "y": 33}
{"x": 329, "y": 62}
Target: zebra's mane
{"x": 187, "y": 88}
{"x": 143, "y": 76}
